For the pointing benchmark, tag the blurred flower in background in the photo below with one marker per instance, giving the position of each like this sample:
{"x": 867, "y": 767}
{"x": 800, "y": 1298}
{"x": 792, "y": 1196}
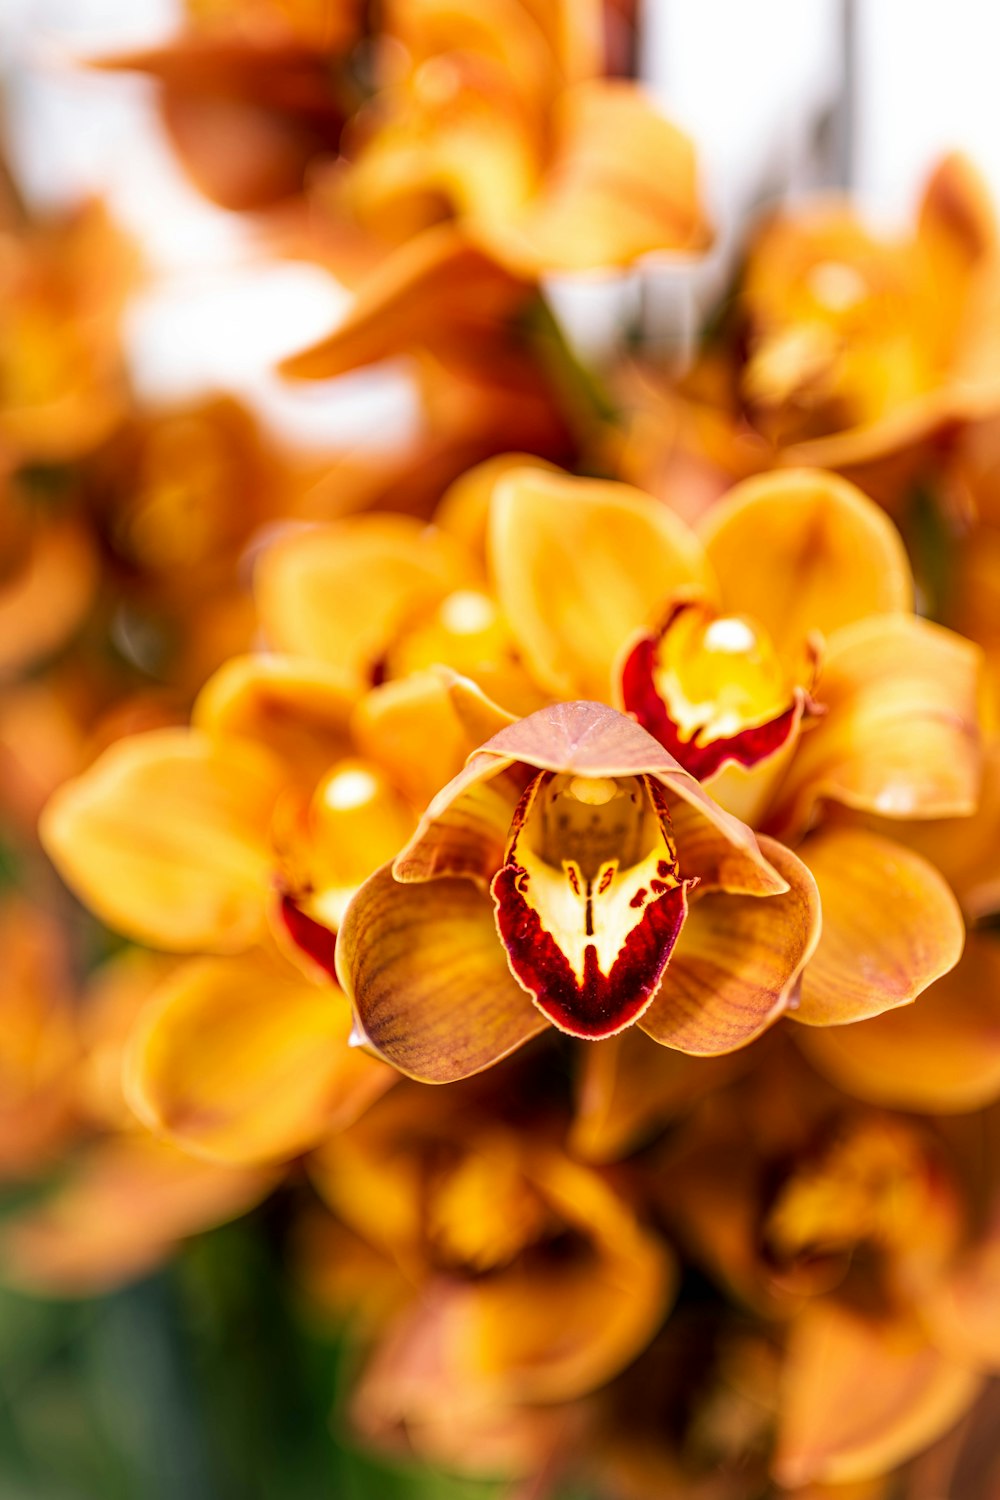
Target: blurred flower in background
{"x": 499, "y": 760}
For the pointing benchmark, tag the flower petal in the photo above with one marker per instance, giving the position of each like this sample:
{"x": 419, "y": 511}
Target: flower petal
{"x": 119, "y": 1212}
{"x": 580, "y": 565}
{"x": 429, "y": 980}
{"x": 912, "y": 1394}
{"x": 736, "y": 963}
{"x": 941, "y": 1055}
{"x": 242, "y": 1062}
{"x": 832, "y": 556}
{"x": 891, "y": 926}
{"x": 339, "y": 593}
{"x": 464, "y": 509}
{"x": 410, "y": 728}
{"x": 165, "y": 836}
{"x": 298, "y": 708}
{"x": 900, "y": 736}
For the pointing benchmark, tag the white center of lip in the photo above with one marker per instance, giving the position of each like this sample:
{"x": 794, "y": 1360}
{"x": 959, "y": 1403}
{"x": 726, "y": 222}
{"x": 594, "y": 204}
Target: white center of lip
{"x": 349, "y": 789}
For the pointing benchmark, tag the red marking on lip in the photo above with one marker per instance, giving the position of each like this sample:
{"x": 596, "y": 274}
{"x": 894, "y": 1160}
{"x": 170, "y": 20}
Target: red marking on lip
{"x": 316, "y": 941}
{"x": 602, "y": 1004}
{"x": 747, "y": 748}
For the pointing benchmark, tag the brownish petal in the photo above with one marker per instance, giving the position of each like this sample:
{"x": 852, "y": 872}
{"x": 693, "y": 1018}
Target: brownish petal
{"x": 736, "y": 964}
{"x": 428, "y": 978}
{"x": 941, "y": 1055}
{"x": 911, "y": 1395}
{"x": 900, "y": 736}
{"x": 891, "y": 926}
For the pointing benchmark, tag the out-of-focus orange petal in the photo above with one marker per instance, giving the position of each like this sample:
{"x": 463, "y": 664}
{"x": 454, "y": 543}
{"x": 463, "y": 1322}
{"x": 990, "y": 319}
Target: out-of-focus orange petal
{"x": 410, "y": 728}
{"x": 298, "y": 708}
{"x": 862, "y": 1396}
{"x": 121, "y": 1211}
{"x": 630, "y": 1087}
{"x": 941, "y": 1055}
{"x": 165, "y": 836}
{"x": 963, "y": 1312}
{"x": 117, "y": 992}
{"x": 46, "y": 598}
{"x": 736, "y": 963}
{"x": 580, "y": 565}
{"x": 900, "y": 736}
{"x": 429, "y": 980}
{"x": 241, "y": 1062}
{"x": 623, "y": 182}
{"x": 805, "y": 551}
{"x": 339, "y": 593}
{"x": 891, "y": 926}
{"x": 399, "y": 305}
{"x": 464, "y": 508}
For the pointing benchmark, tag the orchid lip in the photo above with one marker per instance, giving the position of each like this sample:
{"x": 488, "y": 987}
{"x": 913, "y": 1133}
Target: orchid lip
{"x": 588, "y": 902}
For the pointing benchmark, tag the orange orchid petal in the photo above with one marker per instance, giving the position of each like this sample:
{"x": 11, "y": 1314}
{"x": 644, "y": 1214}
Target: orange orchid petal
{"x": 298, "y": 708}
{"x": 891, "y": 926}
{"x": 623, "y": 183}
{"x": 44, "y": 601}
{"x": 242, "y": 1063}
{"x": 464, "y": 509}
{"x": 398, "y": 306}
{"x": 429, "y": 980}
{"x": 339, "y": 593}
{"x": 580, "y": 565}
{"x": 912, "y": 1394}
{"x": 963, "y": 1312}
{"x": 832, "y": 556}
{"x": 941, "y": 1055}
{"x": 736, "y": 963}
{"x": 166, "y": 837}
{"x": 900, "y": 736}
{"x": 121, "y": 1211}
{"x": 630, "y": 1088}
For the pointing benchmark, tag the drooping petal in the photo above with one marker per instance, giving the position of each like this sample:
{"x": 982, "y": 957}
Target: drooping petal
{"x": 912, "y": 1394}
{"x": 298, "y": 708}
{"x": 166, "y": 837}
{"x": 580, "y": 565}
{"x": 832, "y": 556}
{"x": 242, "y": 1062}
{"x": 428, "y": 978}
{"x": 340, "y": 592}
{"x": 900, "y": 735}
{"x": 588, "y": 901}
{"x": 120, "y": 1211}
{"x": 941, "y": 1055}
{"x": 891, "y": 926}
{"x": 737, "y": 963}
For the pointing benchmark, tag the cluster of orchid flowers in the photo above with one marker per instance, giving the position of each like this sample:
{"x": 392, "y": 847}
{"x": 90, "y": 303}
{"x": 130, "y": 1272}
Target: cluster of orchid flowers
{"x": 572, "y": 861}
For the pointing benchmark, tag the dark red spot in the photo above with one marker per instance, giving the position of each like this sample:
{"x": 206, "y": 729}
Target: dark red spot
{"x": 316, "y": 941}
{"x": 603, "y": 1003}
{"x": 639, "y": 897}
{"x": 747, "y": 748}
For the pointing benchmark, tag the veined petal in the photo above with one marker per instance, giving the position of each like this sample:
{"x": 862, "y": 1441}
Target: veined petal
{"x": 900, "y": 735}
{"x": 580, "y": 565}
{"x": 298, "y": 708}
{"x": 242, "y": 1062}
{"x": 832, "y": 556}
{"x": 429, "y": 980}
{"x": 891, "y": 926}
{"x": 165, "y": 836}
{"x": 736, "y": 964}
{"x": 912, "y": 1394}
{"x": 339, "y": 593}
{"x": 940, "y": 1056}
{"x": 588, "y": 901}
